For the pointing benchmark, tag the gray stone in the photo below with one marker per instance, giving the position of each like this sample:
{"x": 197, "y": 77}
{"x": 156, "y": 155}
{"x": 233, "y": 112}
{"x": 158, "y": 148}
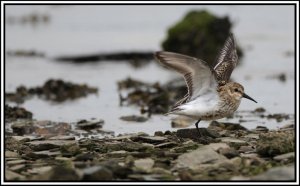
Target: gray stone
{"x": 144, "y": 164}
{"x": 281, "y": 157}
{"x": 278, "y": 173}
{"x": 198, "y": 157}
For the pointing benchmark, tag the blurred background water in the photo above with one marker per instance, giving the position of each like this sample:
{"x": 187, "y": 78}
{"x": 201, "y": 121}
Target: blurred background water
{"x": 266, "y": 33}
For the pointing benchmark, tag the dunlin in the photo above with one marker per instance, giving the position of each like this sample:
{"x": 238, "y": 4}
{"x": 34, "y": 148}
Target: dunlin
{"x": 210, "y": 94}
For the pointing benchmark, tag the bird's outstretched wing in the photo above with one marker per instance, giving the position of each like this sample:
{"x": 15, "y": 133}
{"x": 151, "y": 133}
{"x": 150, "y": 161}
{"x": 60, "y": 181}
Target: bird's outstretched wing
{"x": 226, "y": 60}
{"x": 199, "y": 77}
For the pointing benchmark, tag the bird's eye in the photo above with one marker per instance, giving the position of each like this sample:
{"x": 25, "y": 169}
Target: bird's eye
{"x": 236, "y": 90}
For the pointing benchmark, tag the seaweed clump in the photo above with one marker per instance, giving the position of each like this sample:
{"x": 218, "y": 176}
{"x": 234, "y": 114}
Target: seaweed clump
{"x": 199, "y": 34}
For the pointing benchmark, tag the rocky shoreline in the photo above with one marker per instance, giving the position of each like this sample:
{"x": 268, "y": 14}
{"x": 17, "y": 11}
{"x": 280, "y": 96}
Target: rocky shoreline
{"x": 45, "y": 150}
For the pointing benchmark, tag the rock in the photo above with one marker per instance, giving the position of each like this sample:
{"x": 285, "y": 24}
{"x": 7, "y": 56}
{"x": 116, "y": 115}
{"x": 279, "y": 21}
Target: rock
{"x": 88, "y": 125}
{"x": 11, "y": 154}
{"x": 286, "y": 156}
{"x": 17, "y": 168}
{"x": 13, "y": 113}
{"x": 62, "y": 138}
{"x": 261, "y": 129}
{"x": 70, "y": 149}
{"x": 278, "y": 117}
{"x": 260, "y": 109}
{"x": 182, "y": 122}
{"x": 233, "y": 142}
{"x": 275, "y": 143}
{"x": 130, "y": 136}
{"x": 116, "y": 169}
{"x": 85, "y": 156}
{"x": 59, "y": 173}
{"x": 22, "y": 127}
{"x": 166, "y": 145}
{"x": 40, "y": 170}
{"x": 158, "y": 133}
{"x": 144, "y": 164}
{"x": 151, "y": 139}
{"x": 99, "y": 173}
{"x": 252, "y": 136}
{"x": 187, "y": 146}
{"x": 134, "y": 118}
{"x": 15, "y": 145}
{"x": 16, "y": 162}
{"x": 226, "y": 126}
{"x": 288, "y": 127}
{"x": 117, "y": 154}
{"x": 193, "y": 133}
{"x": 50, "y": 129}
{"x": 43, "y": 154}
{"x": 217, "y": 146}
{"x": 198, "y": 34}
{"x": 198, "y": 157}
{"x": 246, "y": 149}
{"x": 229, "y": 152}
{"x": 48, "y": 144}
{"x": 10, "y": 175}
{"x": 26, "y": 138}
{"x": 278, "y": 173}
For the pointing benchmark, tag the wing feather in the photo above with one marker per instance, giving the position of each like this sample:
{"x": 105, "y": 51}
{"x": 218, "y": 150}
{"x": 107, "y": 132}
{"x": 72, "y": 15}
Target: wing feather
{"x": 226, "y": 60}
{"x": 199, "y": 77}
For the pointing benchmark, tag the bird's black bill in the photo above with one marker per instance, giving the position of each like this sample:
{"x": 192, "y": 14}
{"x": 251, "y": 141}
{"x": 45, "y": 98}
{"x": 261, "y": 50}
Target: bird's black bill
{"x": 248, "y": 97}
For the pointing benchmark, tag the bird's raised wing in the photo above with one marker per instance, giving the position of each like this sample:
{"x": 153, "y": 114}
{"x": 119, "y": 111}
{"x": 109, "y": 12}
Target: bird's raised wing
{"x": 198, "y": 75}
{"x": 226, "y": 60}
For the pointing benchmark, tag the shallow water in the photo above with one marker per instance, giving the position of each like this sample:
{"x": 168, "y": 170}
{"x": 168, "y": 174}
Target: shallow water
{"x": 265, "y": 32}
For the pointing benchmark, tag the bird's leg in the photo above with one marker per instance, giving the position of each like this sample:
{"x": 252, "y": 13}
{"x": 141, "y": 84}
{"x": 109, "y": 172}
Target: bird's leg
{"x": 196, "y": 124}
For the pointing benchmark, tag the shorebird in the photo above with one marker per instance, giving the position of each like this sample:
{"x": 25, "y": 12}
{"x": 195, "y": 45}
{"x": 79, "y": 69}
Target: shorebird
{"x": 210, "y": 93}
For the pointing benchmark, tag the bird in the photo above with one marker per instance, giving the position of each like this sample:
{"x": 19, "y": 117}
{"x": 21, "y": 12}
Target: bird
{"x": 211, "y": 95}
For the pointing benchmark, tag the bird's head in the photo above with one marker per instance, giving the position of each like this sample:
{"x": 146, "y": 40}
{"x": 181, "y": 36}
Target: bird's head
{"x": 236, "y": 90}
